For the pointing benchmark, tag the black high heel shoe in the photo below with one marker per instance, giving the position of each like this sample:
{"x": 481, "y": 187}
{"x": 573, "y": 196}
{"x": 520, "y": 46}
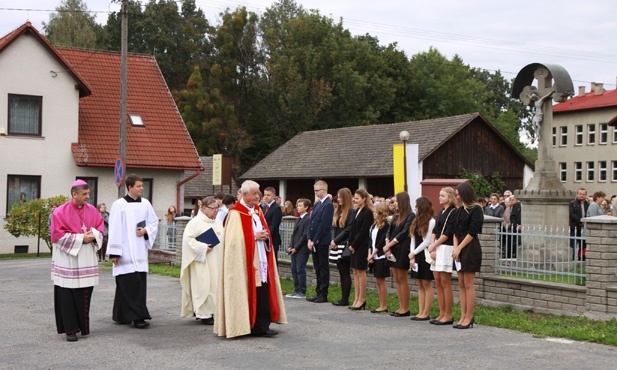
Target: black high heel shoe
{"x": 360, "y": 307}
{"x": 404, "y": 314}
{"x": 379, "y": 311}
{"x": 470, "y": 325}
{"x": 449, "y": 322}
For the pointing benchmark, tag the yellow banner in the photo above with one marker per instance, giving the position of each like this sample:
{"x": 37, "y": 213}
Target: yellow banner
{"x": 398, "y": 164}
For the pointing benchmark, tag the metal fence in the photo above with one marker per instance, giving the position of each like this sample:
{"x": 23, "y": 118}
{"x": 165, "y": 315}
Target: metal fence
{"x": 537, "y": 252}
{"x": 166, "y": 236}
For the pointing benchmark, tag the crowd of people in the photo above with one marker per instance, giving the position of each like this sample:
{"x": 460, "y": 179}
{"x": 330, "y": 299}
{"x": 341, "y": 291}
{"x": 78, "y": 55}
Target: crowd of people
{"x": 361, "y": 233}
{"x": 229, "y": 274}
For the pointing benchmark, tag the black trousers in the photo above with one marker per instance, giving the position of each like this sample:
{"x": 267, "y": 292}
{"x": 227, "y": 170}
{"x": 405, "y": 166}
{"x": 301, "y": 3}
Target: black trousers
{"x": 130, "y": 299}
{"x": 72, "y": 308}
{"x": 344, "y": 270}
{"x": 263, "y": 320}
{"x": 322, "y": 269}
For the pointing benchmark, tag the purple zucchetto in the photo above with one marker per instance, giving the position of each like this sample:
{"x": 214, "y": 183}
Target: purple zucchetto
{"x": 79, "y": 183}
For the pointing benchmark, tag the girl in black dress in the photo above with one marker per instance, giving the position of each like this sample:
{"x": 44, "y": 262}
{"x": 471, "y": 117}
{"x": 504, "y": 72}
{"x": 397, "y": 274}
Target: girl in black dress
{"x": 467, "y": 250}
{"x": 341, "y": 225}
{"x": 397, "y": 251}
{"x": 376, "y": 255}
{"x": 359, "y": 239}
{"x": 420, "y": 232}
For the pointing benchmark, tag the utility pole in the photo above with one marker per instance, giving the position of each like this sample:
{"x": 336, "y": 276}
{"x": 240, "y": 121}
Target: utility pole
{"x": 123, "y": 89}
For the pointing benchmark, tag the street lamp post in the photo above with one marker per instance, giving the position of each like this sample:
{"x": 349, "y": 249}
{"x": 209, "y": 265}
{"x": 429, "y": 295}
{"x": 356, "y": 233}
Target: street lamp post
{"x": 404, "y": 136}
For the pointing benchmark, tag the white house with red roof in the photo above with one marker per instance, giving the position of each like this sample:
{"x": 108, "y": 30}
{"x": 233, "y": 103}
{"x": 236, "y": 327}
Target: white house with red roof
{"x": 63, "y": 113}
{"x": 585, "y": 142}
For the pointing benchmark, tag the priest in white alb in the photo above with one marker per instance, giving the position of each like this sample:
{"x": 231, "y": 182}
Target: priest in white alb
{"x": 132, "y": 231}
{"x": 76, "y": 234}
{"x": 201, "y": 263}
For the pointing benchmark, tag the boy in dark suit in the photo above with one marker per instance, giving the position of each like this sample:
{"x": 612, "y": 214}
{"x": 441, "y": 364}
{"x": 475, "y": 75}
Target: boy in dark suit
{"x": 298, "y": 249}
{"x": 273, "y": 214}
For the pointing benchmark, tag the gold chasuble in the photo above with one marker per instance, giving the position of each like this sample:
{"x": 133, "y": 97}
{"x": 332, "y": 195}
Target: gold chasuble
{"x": 236, "y": 305}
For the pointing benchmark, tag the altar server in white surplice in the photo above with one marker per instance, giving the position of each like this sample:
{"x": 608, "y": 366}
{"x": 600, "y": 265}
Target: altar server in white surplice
{"x": 132, "y": 231}
{"x": 201, "y": 263}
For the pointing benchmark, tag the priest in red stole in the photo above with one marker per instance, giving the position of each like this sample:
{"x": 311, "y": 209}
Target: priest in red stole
{"x": 249, "y": 292}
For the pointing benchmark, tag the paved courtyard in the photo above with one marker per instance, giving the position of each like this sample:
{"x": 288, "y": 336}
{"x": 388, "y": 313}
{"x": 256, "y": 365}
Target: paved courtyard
{"x": 319, "y": 336}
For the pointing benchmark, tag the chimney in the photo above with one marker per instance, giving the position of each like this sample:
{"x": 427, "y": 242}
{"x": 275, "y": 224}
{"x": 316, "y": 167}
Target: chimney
{"x": 581, "y": 91}
{"x": 597, "y": 88}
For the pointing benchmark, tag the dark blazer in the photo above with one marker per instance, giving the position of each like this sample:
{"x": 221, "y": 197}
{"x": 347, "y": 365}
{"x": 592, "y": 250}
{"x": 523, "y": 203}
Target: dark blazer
{"x": 359, "y": 234}
{"x": 273, "y": 219}
{"x": 445, "y": 222}
{"x": 400, "y": 232}
{"x": 575, "y": 212}
{"x": 341, "y": 234}
{"x": 298, "y": 238}
{"x": 380, "y": 240}
{"x": 515, "y": 216}
{"x": 497, "y": 212}
{"x": 320, "y": 226}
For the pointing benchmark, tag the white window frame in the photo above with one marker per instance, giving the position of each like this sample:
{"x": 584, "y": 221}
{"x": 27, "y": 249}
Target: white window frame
{"x": 591, "y": 171}
{"x": 603, "y": 133}
{"x": 615, "y": 134}
{"x": 563, "y": 134}
{"x": 578, "y": 171}
{"x": 602, "y": 171}
{"x": 578, "y": 135}
{"x": 591, "y": 134}
{"x": 555, "y": 136}
{"x": 614, "y": 171}
{"x": 563, "y": 171}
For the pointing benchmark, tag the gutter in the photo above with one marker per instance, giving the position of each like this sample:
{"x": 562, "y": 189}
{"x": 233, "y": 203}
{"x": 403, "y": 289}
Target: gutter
{"x": 182, "y": 182}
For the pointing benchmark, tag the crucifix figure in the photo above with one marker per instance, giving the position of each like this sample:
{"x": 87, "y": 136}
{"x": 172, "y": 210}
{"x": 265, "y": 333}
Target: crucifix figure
{"x": 538, "y": 113}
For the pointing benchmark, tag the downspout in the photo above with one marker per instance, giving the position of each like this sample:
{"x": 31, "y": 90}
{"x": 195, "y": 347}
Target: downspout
{"x": 180, "y": 183}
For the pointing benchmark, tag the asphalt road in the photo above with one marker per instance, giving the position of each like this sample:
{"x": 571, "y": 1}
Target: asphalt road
{"x": 319, "y": 336}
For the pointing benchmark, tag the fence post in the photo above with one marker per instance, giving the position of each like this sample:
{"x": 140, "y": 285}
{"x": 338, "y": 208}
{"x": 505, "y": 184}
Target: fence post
{"x": 489, "y": 244}
{"x": 601, "y": 267}
{"x": 181, "y": 223}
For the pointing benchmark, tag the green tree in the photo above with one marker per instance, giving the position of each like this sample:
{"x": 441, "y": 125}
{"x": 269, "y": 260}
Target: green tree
{"x": 31, "y": 218}
{"x": 482, "y": 185}
{"x": 72, "y": 25}
{"x": 176, "y": 37}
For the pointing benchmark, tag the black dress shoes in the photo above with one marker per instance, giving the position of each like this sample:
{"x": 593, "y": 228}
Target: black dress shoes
{"x": 71, "y": 337}
{"x": 312, "y": 299}
{"x": 321, "y": 300}
{"x": 140, "y": 324}
{"x": 266, "y": 334}
{"x": 341, "y": 303}
{"x": 208, "y": 321}
{"x": 416, "y": 318}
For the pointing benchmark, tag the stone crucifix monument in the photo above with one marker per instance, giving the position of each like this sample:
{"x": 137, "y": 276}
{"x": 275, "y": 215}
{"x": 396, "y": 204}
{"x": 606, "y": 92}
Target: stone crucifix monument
{"x": 544, "y": 199}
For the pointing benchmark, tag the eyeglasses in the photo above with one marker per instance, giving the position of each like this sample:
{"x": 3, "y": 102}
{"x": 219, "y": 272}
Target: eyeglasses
{"x": 318, "y": 190}
{"x": 212, "y": 207}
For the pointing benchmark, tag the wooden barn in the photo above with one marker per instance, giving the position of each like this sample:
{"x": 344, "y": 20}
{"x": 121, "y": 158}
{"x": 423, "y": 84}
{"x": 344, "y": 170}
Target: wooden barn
{"x": 361, "y": 156}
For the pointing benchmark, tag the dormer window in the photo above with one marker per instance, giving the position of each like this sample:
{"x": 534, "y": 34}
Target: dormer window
{"x": 136, "y": 120}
